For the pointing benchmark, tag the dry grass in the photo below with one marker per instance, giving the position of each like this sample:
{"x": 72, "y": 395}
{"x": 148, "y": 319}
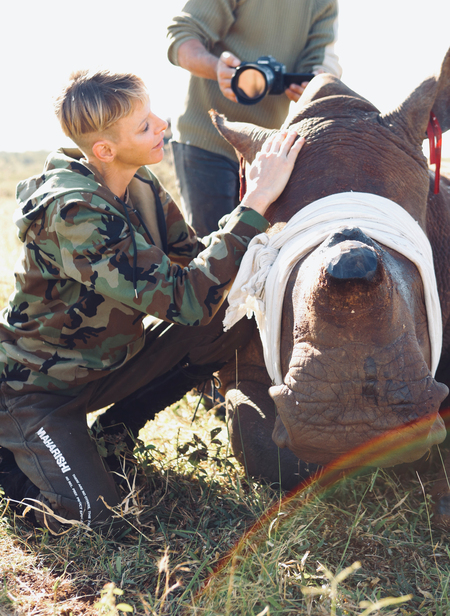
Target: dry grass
{"x": 196, "y": 546}
{"x": 203, "y": 539}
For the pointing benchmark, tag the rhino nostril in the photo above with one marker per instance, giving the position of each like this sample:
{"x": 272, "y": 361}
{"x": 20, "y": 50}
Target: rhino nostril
{"x": 351, "y": 259}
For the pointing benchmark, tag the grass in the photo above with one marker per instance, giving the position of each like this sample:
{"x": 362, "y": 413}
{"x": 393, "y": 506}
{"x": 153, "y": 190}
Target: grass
{"x": 205, "y": 540}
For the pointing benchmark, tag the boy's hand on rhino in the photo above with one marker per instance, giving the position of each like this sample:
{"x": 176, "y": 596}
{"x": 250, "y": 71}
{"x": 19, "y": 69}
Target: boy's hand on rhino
{"x": 271, "y": 169}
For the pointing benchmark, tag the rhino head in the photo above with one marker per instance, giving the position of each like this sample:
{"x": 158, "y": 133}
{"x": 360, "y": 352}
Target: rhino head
{"x": 355, "y": 348}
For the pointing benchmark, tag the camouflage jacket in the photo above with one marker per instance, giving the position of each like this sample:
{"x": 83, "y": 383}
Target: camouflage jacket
{"x": 91, "y": 270}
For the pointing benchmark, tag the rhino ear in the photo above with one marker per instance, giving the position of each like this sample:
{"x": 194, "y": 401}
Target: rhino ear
{"x": 413, "y": 115}
{"x": 247, "y": 139}
{"x": 441, "y": 106}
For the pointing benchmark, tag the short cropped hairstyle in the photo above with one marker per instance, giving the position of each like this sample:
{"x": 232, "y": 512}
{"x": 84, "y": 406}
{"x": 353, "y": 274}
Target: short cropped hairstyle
{"x": 92, "y": 102}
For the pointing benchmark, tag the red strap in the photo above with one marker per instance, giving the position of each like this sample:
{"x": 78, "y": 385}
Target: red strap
{"x": 242, "y": 179}
{"x": 434, "y": 133}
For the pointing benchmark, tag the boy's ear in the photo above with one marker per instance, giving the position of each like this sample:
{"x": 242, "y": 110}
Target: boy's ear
{"x": 104, "y": 151}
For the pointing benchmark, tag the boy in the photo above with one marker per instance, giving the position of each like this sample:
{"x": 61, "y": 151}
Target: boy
{"x": 105, "y": 246}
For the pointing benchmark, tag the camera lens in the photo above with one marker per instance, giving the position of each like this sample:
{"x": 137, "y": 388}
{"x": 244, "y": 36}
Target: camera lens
{"x": 249, "y": 83}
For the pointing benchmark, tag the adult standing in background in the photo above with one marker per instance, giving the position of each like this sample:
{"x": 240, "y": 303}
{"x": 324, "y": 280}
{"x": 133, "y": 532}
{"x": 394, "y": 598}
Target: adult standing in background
{"x": 209, "y": 39}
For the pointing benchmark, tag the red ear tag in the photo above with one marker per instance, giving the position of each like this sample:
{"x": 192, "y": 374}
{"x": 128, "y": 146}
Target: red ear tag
{"x": 434, "y": 133}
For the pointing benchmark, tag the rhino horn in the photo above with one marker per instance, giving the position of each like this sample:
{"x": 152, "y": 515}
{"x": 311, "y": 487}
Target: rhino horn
{"x": 247, "y": 139}
{"x": 412, "y": 117}
{"x": 353, "y": 275}
{"x": 351, "y": 260}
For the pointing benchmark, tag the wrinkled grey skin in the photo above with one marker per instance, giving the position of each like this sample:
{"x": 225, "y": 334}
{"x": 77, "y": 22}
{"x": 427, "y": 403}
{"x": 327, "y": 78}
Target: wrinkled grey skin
{"x": 355, "y": 348}
{"x": 367, "y": 340}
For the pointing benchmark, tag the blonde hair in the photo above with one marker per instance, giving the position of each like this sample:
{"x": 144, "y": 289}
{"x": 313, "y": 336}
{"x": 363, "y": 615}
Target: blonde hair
{"x": 92, "y": 102}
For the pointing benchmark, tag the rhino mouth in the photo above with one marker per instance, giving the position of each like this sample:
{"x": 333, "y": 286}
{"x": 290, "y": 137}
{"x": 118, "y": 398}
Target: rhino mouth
{"x": 380, "y": 411}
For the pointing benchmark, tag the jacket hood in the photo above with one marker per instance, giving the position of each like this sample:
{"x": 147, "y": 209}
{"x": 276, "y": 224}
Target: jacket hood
{"x": 65, "y": 171}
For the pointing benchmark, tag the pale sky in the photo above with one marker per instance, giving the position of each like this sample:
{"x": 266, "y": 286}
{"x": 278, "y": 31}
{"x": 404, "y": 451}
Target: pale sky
{"x": 386, "y": 49}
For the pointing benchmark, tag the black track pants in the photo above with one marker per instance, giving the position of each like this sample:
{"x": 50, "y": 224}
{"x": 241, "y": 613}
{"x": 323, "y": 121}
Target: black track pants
{"x": 47, "y": 432}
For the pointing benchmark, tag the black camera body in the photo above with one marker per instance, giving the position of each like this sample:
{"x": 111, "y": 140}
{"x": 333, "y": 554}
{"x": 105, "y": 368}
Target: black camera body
{"x": 253, "y": 80}
{"x": 280, "y": 79}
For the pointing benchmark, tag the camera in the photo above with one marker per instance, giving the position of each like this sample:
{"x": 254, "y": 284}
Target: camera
{"x": 253, "y": 80}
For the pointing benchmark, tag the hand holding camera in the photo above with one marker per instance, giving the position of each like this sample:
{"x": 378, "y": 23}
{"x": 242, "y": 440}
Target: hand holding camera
{"x": 252, "y": 81}
{"x": 226, "y": 68}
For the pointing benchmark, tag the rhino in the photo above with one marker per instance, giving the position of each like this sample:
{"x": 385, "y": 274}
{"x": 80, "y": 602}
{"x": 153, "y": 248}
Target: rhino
{"x": 358, "y": 372}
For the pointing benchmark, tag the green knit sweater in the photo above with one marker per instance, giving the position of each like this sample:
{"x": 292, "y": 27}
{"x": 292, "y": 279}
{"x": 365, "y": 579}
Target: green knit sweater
{"x": 298, "y": 33}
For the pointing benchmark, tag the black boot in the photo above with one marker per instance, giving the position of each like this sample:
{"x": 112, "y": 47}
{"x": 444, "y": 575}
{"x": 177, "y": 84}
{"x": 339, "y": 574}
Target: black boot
{"x": 14, "y": 482}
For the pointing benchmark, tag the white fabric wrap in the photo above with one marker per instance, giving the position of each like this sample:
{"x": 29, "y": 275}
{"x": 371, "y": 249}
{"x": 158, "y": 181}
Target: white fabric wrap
{"x": 265, "y": 268}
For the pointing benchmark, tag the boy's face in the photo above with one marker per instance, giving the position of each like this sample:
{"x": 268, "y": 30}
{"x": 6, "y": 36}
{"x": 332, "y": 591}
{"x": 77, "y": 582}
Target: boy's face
{"x": 139, "y": 137}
